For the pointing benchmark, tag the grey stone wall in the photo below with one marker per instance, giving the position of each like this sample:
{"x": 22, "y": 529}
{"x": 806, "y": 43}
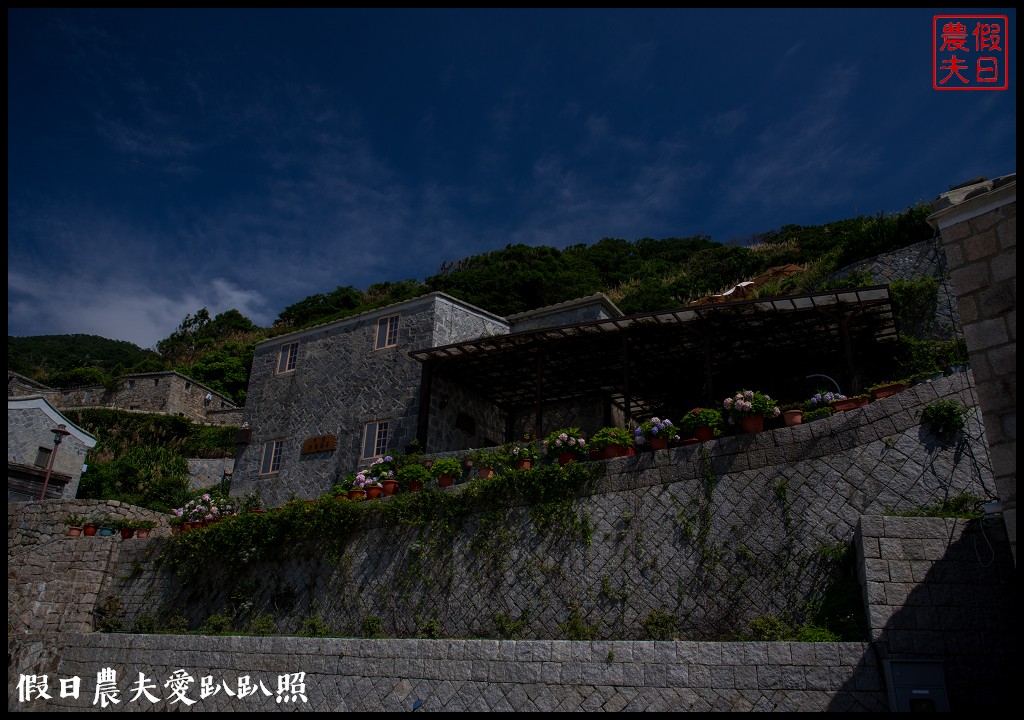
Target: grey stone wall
{"x": 455, "y": 322}
{"x": 454, "y": 410}
{"x": 342, "y": 675}
{"x": 980, "y": 241}
{"x": 585, "y": 413}
{"x": 205, "y": 472}
{"x": 54, "y": 582}
{"x": 708, "y": 536}
{"x": 923, "y": 259}
{"x": 941, "y": 589}
{"x": 164, "y": 392}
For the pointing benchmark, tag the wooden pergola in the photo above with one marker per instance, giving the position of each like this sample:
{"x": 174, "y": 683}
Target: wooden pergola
{"x": 665, "y": 362}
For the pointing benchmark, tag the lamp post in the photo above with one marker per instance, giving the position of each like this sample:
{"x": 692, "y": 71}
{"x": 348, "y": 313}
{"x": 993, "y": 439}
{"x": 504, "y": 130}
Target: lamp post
{"x": 58, "y": 435}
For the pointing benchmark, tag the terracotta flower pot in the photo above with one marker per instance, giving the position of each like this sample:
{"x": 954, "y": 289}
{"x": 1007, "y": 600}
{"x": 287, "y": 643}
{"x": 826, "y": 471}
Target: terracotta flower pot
{"x": 658, "y": 443}
{"x": 390, "y": 487}
{"x": 90, "y": 530}
{"x": 752, "y": 423}
{"x": 374, "y": 491}
{"x": 704, "y": 433}
{"x": 356, "y": 494}
{"x": 849, "y": 404}
{"x": 415, "y": 486}
{"x": 127, "y": 533}
{"x": 566, "y": 458}
{"x": 143, "y": 533}
{"x": 485, "y": 472}
{"x": 887, "y": 390}
{"x": 793, "y": 417}
{"x": 524, "y": 464}
{"x": 445, "y": 480}
{"x": 74, "y": 531}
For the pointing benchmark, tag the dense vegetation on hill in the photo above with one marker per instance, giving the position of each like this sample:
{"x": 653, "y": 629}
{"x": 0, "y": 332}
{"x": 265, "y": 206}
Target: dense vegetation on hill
{"x": 640, "y": 276}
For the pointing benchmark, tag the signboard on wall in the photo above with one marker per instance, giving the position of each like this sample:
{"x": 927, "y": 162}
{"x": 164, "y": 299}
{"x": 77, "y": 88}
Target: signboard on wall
{"x": 323, "y": 443}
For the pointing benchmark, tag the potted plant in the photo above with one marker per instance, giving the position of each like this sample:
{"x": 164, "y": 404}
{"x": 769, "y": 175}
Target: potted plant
{"x": 381, "y": 469}
{"x": 486, "y": 462}
{"x": 445, "y": 470}
{"x": 205, "y": 509}
{"x": 611, "y": 442}
{"x": 143, "y": 528}
{"x": 851, "y": 403}
{"x": 792, "y": 414}
{"x": 177, "y": 524}
{"x": 704, "y": 423}
{"x": 565, "y": 445}
{"x": 252, "y": 502}
{"x": 887, "y": 388}
{"x": 106, "y": 525}
{"x": 749, "y": 408}
{"x": 412, "y": 476}
{"x": 75, "y": 524}
{"x": 656, "y": 433}
{"x": 90, "y": 526}
{"x": 124, "y": 526}
{"x": 522, "y": 453}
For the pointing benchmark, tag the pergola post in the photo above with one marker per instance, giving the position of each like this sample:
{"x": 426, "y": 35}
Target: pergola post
{"x": 423, "y": 418}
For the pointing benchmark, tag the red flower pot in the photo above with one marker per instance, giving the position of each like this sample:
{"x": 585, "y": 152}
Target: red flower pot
{"x": 658, "y": 443}
{"x": 849, "y": 404}
{"x": 524, "y": 464}
{"x": 566, "y": 458}
{"x": 793, "y": 417}
{"x": 704, "y": 433}
{"x": 445, "y": 480}
{"x": 374, "y": 491}
{"x": 752, "y": 423}
{"x": 390, "y": 487}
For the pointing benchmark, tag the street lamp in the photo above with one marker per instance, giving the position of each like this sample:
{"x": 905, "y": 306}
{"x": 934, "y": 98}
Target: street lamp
{"x": 58, "y": 434}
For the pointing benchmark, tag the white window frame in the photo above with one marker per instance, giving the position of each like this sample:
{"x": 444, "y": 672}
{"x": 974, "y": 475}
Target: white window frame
{"x": 270, "y": 460}
{"x": 287, "y": 358}
{"x": 377, "y": 432}
{"x": 387, "y": 332}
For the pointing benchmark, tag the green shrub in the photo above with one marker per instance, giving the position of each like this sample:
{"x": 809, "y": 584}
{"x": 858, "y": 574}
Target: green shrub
{"x": 944, "y": 417}
{"x": 661, "y": 625}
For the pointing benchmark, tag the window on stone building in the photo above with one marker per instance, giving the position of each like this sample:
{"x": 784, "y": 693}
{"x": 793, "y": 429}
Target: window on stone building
{"x": 387, "y": 332}
{"x": 156, "y": 382}
{"x": 287, "y": 357}
{"x": 43, "y": 457}
{"x": 375, "y": 439}
{"x": 131, "y": 383}
{"x": 271, "y": 462}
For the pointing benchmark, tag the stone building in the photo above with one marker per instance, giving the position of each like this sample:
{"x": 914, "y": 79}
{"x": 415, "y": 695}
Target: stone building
{"x": 167, "y": 392}
{"x": 31, "y": 447}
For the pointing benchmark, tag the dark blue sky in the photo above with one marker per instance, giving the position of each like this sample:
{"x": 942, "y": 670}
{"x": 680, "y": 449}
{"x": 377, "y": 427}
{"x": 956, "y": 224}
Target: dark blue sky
{"x": 160, "y": 161}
